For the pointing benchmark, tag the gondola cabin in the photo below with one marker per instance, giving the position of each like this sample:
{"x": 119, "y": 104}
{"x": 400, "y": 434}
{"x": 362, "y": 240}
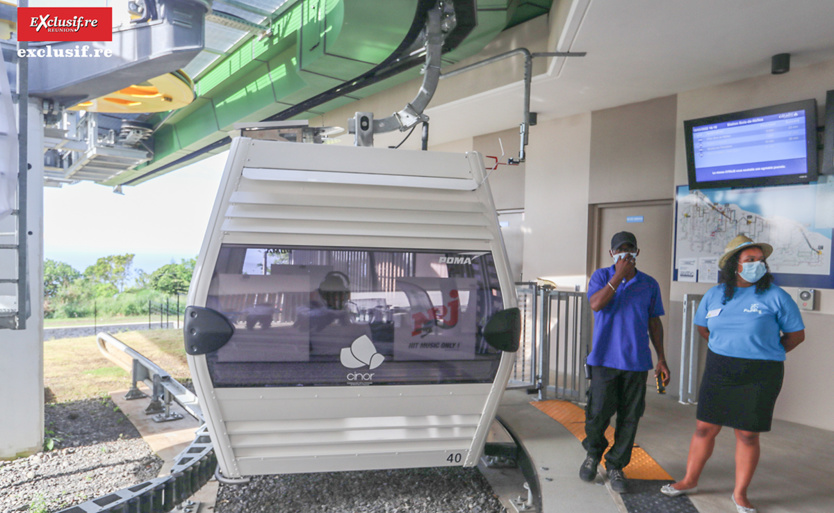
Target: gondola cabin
{"x": 351, "y": 309}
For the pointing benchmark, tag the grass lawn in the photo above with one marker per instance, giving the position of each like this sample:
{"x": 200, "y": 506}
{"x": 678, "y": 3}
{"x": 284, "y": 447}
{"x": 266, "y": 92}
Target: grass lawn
{"x": 74, "y": 368}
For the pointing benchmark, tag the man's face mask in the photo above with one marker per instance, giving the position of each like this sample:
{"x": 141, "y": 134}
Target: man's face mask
{"x": 618, "y": 256}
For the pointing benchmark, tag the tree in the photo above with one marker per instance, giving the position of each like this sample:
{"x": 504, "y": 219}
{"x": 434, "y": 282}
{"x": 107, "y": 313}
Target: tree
{"x": 57, "y": 275}
{"x": 113, "y": 270}
{"x": 142, "y": 280}
{"x": 173, "y": 278}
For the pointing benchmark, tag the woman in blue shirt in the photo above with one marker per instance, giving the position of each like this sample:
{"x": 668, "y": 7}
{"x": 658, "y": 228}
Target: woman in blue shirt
{"x": 750, "y": 323}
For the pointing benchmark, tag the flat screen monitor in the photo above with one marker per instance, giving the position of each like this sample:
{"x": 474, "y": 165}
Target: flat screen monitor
{"x": 774, "y": 145}
{"x": 827, "y": 165}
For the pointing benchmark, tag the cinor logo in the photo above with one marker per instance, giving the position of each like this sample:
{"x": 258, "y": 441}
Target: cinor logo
{"x": 360, "y": 353}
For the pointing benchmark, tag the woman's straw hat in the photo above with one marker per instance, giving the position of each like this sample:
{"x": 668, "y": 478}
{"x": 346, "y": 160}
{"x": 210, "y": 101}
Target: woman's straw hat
{"x": 740, "y": 243}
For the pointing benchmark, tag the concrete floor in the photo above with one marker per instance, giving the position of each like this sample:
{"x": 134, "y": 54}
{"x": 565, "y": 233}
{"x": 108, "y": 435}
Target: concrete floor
{"x": 795, "y": 473}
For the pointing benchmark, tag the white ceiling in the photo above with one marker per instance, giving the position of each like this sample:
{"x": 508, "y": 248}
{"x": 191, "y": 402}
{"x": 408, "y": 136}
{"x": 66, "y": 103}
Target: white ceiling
{"x": 643, "y": 49}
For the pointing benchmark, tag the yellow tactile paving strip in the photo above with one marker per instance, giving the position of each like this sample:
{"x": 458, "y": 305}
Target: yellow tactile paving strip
{"x": 642, "y": 465}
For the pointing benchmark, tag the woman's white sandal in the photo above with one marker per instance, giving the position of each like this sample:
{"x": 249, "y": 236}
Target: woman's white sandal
{"x": 670, "y": 491}
{"x": 742, "y": 509}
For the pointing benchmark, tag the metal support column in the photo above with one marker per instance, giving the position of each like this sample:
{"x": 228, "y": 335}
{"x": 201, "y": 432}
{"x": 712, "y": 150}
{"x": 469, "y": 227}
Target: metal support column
{"x": 15, "y": 318}
{"x": 690, "y": 338}
{"x": 543, "y": 369}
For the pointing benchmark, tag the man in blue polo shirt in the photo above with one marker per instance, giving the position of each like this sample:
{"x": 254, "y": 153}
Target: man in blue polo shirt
{"x": 627, "y": 309}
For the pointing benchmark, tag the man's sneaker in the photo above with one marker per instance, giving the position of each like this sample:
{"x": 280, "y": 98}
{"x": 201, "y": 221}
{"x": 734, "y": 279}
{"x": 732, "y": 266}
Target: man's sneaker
{"x": 617, "y": 480}
{"x": 588, "y": 470}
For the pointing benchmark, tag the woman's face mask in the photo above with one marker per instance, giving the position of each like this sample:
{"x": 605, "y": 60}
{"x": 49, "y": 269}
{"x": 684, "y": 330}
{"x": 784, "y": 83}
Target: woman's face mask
{"x": 752, "y": 272}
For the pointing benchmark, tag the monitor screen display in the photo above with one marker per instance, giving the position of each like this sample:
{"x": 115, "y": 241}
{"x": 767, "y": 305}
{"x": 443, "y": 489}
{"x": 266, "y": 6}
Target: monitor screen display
{"x": 774, "y": 145}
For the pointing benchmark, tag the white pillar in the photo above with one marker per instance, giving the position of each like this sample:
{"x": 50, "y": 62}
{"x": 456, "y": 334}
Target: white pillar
{"x": 21, "y": 351}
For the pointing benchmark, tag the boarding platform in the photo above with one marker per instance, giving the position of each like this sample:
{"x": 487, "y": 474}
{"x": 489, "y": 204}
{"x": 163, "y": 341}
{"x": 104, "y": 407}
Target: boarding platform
{"x": 793, "y": 476}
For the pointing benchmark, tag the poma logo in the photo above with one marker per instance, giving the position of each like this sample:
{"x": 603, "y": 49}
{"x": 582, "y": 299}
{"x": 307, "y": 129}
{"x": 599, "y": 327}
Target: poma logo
{"x": 455, "y": 260}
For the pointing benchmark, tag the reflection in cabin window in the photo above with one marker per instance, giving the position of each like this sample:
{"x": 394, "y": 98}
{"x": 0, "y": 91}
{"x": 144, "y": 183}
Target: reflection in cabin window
{"x": 308, "y": 316}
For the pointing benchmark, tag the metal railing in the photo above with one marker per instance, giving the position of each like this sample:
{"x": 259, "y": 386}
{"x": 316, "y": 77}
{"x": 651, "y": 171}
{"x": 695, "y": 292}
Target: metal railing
{"x": 166, "y": 312}
{"x": 565, "y": 343}
{"x": 690, "y": 350}
{"x": 164, "y": 388}
{"x": 555, "y": 339}
{"x": 524, "y": 371}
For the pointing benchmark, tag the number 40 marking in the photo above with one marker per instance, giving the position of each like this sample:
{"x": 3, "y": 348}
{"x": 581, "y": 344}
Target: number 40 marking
{"x": 454, "y": 458}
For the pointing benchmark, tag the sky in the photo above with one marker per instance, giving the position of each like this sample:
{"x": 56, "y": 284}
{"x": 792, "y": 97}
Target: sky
{"x": 161, "y": 221}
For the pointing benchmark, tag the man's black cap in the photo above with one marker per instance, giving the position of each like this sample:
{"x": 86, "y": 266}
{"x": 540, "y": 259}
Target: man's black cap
{"x": 621, "y": 238}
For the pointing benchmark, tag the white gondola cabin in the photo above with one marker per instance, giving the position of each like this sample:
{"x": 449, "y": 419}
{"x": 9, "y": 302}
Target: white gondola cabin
{"x": 351, "y": 309}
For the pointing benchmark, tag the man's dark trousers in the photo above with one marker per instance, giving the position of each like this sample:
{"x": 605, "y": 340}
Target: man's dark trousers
{"x": 614, "y": 391}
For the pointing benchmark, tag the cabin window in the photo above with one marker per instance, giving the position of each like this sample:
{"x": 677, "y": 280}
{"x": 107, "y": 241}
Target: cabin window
{"x": 336, "y": 317}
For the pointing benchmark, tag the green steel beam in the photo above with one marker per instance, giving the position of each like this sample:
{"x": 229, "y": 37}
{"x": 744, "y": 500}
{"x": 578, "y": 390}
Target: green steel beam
{"x": 315, "y": 45}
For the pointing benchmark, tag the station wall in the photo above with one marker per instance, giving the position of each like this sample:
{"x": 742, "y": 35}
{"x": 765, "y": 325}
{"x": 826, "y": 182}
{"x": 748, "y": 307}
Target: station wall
{"x": 602, "y": 157}
{"x": 623, "y": 154}
{"x": 805, "y": 376}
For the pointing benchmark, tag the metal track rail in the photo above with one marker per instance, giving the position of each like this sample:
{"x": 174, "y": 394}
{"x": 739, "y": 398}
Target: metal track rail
{"x": 164, "y": 387}
{"x": 192, "y": 469}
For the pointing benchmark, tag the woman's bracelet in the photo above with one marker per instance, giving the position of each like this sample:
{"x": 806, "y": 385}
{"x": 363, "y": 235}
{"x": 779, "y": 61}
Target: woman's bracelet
{"x": 612, "y": 287}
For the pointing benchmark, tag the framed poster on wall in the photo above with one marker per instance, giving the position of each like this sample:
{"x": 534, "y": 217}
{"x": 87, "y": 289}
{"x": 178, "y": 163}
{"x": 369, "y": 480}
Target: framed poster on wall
{"x": 797, "y": 220}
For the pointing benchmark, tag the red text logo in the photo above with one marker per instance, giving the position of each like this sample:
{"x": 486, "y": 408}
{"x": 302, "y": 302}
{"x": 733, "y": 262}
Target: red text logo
{"x": 64, "y": 23}
{"x": 445, "y": 316}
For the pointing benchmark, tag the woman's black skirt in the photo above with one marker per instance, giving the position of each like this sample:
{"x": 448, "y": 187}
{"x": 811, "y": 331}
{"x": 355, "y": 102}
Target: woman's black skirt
{"x": 739, "y": 393}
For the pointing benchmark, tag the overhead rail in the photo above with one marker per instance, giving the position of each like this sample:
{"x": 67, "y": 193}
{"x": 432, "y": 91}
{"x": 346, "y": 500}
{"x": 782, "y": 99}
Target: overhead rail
{"x": 528, "y": 118}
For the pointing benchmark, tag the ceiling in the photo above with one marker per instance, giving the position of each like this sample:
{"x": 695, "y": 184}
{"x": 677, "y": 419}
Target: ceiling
{"x": 643, "y": 49}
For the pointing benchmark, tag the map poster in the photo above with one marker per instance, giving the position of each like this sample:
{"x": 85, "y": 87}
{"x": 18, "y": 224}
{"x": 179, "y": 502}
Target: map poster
{"x": 793, "y": 219}
{"x": 708, "y": 269}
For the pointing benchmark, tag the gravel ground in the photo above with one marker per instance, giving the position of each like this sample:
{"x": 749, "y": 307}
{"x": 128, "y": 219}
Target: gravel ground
{"x": 98, "y": 451}
{"x": 427, "y": 490}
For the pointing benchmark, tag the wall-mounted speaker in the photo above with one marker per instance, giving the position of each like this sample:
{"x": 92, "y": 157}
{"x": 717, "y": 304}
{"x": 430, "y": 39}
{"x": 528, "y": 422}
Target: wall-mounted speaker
{"x": 805, "y": 299}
